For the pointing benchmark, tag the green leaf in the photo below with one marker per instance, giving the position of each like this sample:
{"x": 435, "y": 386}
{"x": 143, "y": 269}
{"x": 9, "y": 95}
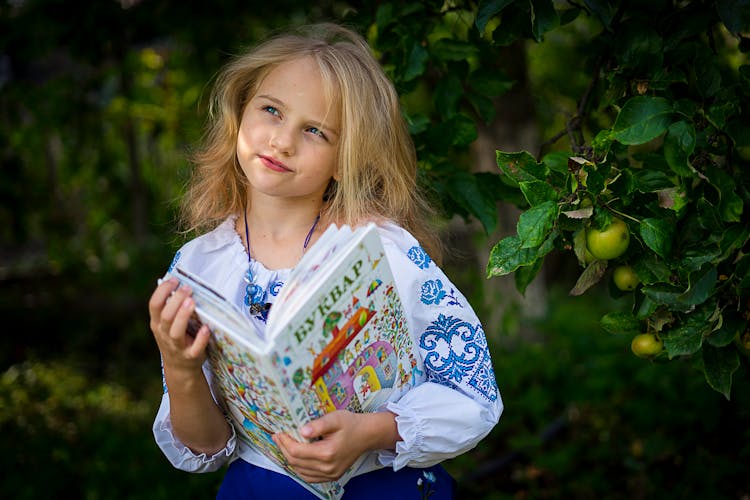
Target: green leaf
{"x": 535, "y": 224}
{"x": 417, "y": 123}
{"x": 507, "y": 256}
{"x": 694, "y": 258}
{"x": 579, "y": 246}
{"x": 733, "y": 238}
{"x": 667, "y": 295}
{"x": 448, "y": 92}
{"x": 466, "y": 192}
{"x": 701, "y": 287}
{"x": 520, "y": 167}
{"x": 544, "y": 18}
{"x": 490, "y": 83}
{"x": 719, "y": 364}
{"x": 657, "y": 234}
{"x": 651, "y": 270}
{"x": 525, "y": 275}
{"x": 649, "y": 181}
{"x": 384, "y": 16}
{"x": 537, "y": 192}
{"x": 416, "y": 62}
{"x": 685, "y": 340}
{"x": 449, "y": 49}
{"x": 493, "y": 188}
{"x": 730, "y": 205}
{"x": 487, "y": 9}
{"x": 720, "y": 112}
{"x": 730, "y": 328}
{"x": 707, "y": 75}
{"x": 483, "y": 106}
{"x": 460, "y": 130}
{"x": 679, "y": 144}
{"x": 647, "y": 307}
{"x": 557, "y": 161}
{"x": 620, "y": 322}
{"x": 602, "y": 142}
{"x": 589, "y": 277}
{"x": 642, "y": 119}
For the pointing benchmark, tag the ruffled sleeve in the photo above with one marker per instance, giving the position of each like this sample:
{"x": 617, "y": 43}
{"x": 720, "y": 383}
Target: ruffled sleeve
{"x": 458, "y": 403}
{"x": 198, "y": 255}
{"x": 179, "y": 455}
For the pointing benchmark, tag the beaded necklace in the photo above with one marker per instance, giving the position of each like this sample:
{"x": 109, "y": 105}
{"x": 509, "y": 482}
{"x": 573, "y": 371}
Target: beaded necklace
{"x": 254, "y": 294}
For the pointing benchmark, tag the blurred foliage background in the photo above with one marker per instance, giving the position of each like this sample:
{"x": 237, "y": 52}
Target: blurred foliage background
{"x": 99, "y": 104}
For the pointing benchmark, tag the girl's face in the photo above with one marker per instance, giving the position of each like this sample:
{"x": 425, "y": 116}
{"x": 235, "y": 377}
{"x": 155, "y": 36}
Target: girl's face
{"x": 287, "y": 142}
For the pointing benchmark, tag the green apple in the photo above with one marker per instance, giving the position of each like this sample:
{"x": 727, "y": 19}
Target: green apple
{"x": 625, "y": 278}
{"x": 646, "y": 345}
{"x": 610, "y": 242}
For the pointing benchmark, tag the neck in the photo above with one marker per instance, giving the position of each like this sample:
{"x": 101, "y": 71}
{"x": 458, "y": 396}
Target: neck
{"x": 276, "y": 216}
{"x": 278, "y": 231}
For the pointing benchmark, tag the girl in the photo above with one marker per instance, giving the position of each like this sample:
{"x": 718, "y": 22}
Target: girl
{"x": 306, "y": 131}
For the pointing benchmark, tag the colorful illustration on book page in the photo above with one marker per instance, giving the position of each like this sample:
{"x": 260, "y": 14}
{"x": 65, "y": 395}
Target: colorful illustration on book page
{"x": 250, "y": 397}
{"x": 363, "y": 351}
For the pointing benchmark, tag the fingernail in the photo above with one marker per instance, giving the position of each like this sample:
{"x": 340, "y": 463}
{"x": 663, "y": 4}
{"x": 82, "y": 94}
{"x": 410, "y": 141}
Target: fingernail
{"x": 306, "y": 430}
{"x": 187, "y": 303}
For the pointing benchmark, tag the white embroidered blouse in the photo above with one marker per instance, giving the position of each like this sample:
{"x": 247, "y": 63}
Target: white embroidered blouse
{"x": 455, "y": 406}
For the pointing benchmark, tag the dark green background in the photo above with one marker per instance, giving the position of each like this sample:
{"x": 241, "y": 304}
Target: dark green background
{"x": 99, "y": 106}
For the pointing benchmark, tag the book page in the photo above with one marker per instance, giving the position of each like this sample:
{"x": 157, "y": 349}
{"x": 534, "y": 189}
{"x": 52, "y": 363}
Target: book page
{"x": 212, "y": 308}
{"x": 319, "y": 261}
{"x": 347, "y": 345}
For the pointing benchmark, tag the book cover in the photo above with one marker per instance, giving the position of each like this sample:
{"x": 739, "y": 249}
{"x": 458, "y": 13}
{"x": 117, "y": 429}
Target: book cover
{"x": 336, "y": 338}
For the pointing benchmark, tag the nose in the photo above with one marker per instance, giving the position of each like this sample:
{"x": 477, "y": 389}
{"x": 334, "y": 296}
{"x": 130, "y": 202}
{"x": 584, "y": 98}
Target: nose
{"x": 282, "y": 140}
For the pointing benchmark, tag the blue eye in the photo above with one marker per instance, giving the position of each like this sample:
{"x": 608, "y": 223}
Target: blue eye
{"x": 317, "y": 131}
{"x": 271, "y": 110}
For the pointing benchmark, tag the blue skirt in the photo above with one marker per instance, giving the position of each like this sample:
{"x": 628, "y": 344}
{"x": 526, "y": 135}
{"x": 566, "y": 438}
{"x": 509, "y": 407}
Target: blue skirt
{"x": 246, "y": 481}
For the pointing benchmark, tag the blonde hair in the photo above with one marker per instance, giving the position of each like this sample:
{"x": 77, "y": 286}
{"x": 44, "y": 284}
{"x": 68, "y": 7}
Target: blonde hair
{"x": 377, "y": 164}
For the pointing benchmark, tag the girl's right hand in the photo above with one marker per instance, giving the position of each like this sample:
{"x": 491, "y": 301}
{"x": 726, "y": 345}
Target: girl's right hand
{"x": 170, "y": 309}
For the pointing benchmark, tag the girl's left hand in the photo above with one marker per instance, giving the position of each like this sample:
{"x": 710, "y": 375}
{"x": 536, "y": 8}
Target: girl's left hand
{"x": 339, "y": 438}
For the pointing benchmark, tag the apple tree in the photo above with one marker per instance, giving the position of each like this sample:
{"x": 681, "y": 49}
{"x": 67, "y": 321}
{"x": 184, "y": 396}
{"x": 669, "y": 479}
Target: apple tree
{"x": 648, "y": 183}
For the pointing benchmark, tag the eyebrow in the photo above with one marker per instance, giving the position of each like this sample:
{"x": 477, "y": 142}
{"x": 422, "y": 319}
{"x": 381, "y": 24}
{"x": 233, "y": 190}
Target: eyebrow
{"x": 316, "y": 123}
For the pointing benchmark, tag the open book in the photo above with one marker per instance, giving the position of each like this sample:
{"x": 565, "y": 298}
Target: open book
{"x": 336, "y": 338}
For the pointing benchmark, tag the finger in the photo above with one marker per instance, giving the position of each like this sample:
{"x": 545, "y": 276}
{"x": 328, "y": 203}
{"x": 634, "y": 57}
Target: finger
{"x": 160, "y": 295}
{"x": 200, "y": 342}
{"x": 317, "y": 472}
{"x": 316, "y": 457}
{"x": 327, "y": 424}
{"x": 182, "y": 316}
{"x": 297, "y": 454}
{"x": 286, "y": 445}
{"x": 173, "y": 304}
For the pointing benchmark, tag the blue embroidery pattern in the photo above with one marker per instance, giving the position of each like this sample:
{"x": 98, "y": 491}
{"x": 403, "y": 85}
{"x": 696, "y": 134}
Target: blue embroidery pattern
{"x": 417, "y": 255}
{"x": 457, "y": 351}
{"x": 483, "y": 380}
{"x": 433, "y": 293}
{"x": 163, "y": 377}
{"x": 275, "y": 288}
{"x": 174, "y": 261}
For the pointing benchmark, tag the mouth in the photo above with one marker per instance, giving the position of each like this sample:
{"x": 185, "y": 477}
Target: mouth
{"x": 273, "y": 164}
